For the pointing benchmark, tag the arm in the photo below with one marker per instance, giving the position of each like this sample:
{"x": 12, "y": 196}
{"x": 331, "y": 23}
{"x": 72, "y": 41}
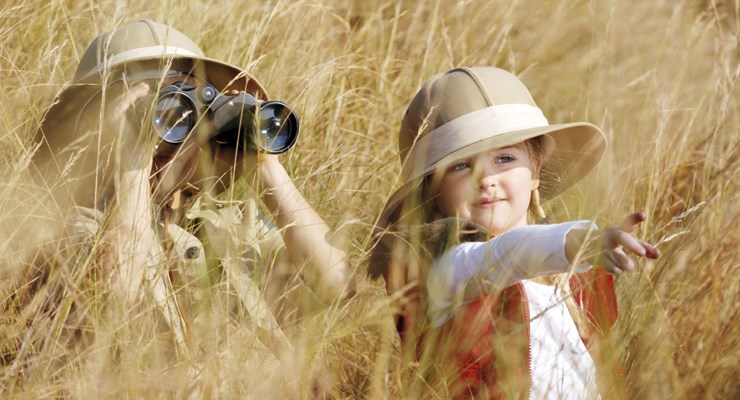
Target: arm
{"x": 305, "y": 234}
{"x": 529, "y": 252}
{"x": 132, "y": 233}
{"x": 130, "y": 226}
{"x": 526, "y": 252}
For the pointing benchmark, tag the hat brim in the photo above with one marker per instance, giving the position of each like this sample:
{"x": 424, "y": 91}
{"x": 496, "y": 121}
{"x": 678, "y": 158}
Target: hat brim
{"x": 220, "y": 74}
{"x": 576, "y": 149}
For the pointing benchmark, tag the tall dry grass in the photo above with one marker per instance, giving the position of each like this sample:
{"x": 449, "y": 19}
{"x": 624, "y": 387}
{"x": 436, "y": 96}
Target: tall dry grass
{"x": 660, "y": 77}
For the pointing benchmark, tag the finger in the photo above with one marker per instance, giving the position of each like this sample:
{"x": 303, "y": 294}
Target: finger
{"x": 605, "y": 260}
{"x": 610, "y": 265}
{"x": 612, "y": 268}
{"x": 631, "y": 222}
{"x": 629, "y": 242}
{"x": 622, "y": 260}
{"x": 650, "y": 251}
{"x": 127, "y": 99}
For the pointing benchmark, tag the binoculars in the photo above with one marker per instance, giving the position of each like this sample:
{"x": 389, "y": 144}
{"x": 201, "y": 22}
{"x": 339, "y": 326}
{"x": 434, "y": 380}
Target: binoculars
{"x": 239, "y": 121}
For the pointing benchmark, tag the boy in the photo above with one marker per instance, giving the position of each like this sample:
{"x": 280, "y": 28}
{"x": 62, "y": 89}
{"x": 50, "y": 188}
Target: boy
{"x": 139, "y": 198}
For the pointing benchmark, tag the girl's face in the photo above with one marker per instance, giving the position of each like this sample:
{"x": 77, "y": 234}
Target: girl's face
{"x": 492, "y": 188}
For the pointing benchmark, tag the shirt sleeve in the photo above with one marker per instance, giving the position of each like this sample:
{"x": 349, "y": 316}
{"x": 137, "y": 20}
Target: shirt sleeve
{"x": 522, "y": 253}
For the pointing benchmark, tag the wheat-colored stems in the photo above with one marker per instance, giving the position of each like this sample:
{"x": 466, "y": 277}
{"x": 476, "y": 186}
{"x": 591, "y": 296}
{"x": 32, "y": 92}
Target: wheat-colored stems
{"x": 659, "y": 77}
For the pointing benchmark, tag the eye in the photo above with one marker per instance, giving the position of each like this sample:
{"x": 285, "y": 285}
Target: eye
{"x": 460, "y": 166}
{"x": 504, "y": 159}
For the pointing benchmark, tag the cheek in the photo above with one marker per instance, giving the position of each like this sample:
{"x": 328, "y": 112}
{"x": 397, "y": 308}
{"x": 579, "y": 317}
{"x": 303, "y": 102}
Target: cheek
{"x": 520, "y": 187}
{"x": 453, "y": 195}
{"x": 446, "y": 204}
{"x": 190, "y": 158}
{"x": 182, "y": 168}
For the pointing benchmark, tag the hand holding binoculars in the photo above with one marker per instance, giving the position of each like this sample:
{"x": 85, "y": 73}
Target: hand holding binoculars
{"x": 239, "y": 121}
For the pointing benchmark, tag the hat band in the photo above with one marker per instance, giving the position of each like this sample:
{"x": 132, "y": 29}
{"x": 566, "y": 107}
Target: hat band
{"x": 150, "y": 52}
{"x": 469, "y": 129}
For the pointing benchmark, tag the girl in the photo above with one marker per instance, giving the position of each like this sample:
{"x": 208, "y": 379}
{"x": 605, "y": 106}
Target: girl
{"x": 502, "y": 308}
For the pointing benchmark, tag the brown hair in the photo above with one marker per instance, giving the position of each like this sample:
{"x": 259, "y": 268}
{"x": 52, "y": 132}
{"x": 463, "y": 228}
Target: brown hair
{"x": 536, "y": 149}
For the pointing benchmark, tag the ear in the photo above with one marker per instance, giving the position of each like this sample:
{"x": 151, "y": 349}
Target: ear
{"x": 536, "y": 165}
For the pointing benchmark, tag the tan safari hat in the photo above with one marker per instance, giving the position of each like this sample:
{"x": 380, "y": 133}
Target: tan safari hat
{"x": 139, "y": 50}
{"x": 465, "y": 111}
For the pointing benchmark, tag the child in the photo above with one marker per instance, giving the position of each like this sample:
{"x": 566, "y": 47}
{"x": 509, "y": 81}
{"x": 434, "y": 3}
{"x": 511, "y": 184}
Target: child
{"x": 145, "y": 200}
{"x": 481, "y": 289}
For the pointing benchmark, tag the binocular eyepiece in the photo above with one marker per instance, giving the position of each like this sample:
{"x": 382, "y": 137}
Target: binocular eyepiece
{"x": 240, "y": 121}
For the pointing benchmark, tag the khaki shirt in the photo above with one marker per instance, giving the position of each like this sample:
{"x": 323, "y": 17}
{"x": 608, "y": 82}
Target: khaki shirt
{"x": 247, "y": 253}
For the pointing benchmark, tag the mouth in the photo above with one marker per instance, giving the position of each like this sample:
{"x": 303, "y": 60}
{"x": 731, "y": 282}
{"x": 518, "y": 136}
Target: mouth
{"x": 487, "y": 201}
{"x": 160, "y": 163}
{"x": 160, "y": 160}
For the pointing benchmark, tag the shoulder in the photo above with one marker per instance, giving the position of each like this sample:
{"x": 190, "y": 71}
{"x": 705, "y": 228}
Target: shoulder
{"x": 426, "y": 241}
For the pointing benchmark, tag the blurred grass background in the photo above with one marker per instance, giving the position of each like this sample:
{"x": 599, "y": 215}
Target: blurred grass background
{"x": 660, "y": 77}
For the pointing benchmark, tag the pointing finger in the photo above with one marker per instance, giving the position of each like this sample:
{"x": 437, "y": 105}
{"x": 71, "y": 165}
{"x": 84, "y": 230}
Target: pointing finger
{"x": 631, "y": 222}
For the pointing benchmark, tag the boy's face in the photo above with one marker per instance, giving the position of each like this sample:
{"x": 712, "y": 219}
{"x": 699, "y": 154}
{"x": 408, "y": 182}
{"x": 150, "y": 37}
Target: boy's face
{"x": 173, "y": 168}
{"x": 492, "y": 188}
{"x": 174, "y": 165}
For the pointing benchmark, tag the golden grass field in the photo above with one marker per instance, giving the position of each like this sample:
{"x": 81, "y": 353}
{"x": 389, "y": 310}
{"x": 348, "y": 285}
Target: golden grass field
{"x": 660, "y": 78}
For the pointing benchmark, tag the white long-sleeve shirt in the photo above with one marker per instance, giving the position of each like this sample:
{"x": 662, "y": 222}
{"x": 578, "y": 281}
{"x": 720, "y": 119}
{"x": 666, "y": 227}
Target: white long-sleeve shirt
{"x": 561, "y": 365}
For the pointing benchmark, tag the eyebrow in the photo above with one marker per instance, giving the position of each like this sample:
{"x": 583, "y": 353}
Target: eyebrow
{"x": 511, "y": 147}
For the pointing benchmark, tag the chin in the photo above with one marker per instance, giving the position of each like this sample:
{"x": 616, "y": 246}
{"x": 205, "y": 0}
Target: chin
{"x": 496, "y": 231}
{"x": 496, "y": 228}
{"x": 490, "y": 224}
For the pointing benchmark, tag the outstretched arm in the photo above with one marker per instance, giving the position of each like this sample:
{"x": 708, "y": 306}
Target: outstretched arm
{"x": 469, "y": 269}
{"x": 532, "y": 251}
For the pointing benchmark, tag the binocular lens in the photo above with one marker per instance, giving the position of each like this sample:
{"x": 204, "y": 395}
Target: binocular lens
{"x": 276, "y": 129}
{"x": 173, "y": 117}
{"x": 240, "y": 121}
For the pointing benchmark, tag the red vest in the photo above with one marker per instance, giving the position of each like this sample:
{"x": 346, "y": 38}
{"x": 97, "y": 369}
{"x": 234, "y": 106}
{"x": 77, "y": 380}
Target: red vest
{"x": 484, "y": 350}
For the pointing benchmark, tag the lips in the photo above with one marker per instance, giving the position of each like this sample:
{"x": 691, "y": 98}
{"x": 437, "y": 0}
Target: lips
{"x": 166, "y": 157}
{"x": 161, "y": 160}
{"x": 486, "y": 201}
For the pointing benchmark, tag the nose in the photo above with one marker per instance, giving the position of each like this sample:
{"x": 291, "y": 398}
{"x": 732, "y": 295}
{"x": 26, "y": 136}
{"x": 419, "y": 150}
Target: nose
{"x": 487, "y": 178}
{"x": 487, "y": 181}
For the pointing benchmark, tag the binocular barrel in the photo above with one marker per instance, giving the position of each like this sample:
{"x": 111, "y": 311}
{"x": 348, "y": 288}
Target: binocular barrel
{"x": 269, "y": 127}
{"x": 239, "y": 121}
